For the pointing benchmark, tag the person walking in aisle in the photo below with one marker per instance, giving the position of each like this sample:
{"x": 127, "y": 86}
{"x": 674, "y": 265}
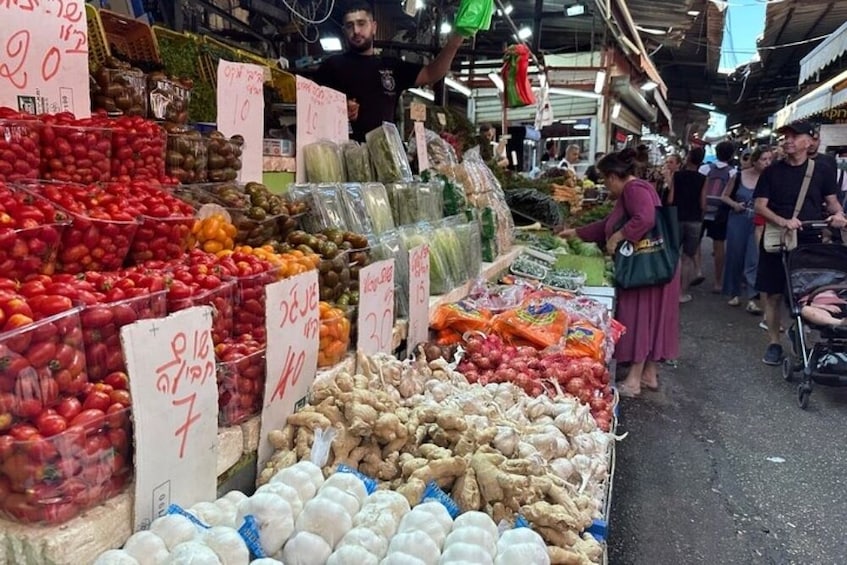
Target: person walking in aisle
{"x": 687, "y": 192}
{"x": 650, "y": 313}
{"x": 372, "y": 83}
{"x": 718, "y": 176}
{"x": 776, "y": 196}
{"x": 742, "y": 254}
{"x": 673, "y": 163}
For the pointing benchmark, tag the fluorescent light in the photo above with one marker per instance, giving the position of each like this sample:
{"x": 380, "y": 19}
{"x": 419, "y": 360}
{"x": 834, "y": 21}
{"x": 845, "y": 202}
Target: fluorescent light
{"x": 599, "y": 81}
{"x": 498, "y": 82}
{"x": 331, "y": 43}
{"x": 423, "y": 93}
{"x": 651, "y": 30}
{"x": 765, "y": 132}
{"x": 458, "y": 86}
{"x": 446, "y": 28}
{"x": 575, "y": 10}
{"x": 524, "y": 33}
{"x": 508, "y": 10}
{"x": 581, "y": 126}
{"x": 648, "y": 86}
{"x": 567, "y": 121}
{"x": 574, "y": 92}
{"x": 693, "y": 13}
{"x": 616, "y": 110}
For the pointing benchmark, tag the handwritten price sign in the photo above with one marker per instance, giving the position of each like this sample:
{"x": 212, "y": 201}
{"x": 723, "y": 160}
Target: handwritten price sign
{"x": 171, "y": 364}
{"x": 291, "y": 317}
{"x": 321, "y": 114}
{"x": 376, "y": 307}
{"x": 418, "y": 295}
{"x": 241, "y": 111}
{"x": 44, "y": 56}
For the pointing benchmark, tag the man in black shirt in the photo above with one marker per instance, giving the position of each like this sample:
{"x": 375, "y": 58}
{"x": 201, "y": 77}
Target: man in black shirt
{"x": 688, "y": 193}
{"x": 775, "y": 198}
{"x": 373, "y": 83}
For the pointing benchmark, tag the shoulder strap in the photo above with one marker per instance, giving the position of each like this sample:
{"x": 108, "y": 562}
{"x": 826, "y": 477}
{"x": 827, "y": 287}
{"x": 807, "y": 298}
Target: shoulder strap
{"x": 804, "y": 188}
{"x": 736, "y": 184}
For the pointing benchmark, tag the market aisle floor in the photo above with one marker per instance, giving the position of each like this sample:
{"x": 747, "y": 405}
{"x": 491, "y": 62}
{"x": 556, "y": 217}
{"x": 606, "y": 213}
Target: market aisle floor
{"x": 694, "y": 483}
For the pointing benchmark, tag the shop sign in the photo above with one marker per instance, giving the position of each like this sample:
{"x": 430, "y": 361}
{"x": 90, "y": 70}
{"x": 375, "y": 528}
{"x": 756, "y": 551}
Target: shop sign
{"x": 241, "y": 111}
{"x": 44, "y": 62}
{"x": 418, "y": 331}
{"x": 420, "y": 147}
{"x": 376, "y": 307}
{"x": 321, "y": 114}
{"x": 291, "y": 318}
{"x": 172, "y": 379}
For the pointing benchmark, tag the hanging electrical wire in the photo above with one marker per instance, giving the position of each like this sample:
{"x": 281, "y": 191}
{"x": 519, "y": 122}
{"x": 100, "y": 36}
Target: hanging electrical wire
{"x": 309, "y": 18}
{"x": 766, "y": 47}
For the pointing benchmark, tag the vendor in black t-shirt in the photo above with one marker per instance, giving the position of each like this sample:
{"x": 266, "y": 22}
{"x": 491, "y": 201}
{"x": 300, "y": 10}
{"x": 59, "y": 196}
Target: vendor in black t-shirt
{"x": 373, "y": 83}
{"x": 775, "y": 197}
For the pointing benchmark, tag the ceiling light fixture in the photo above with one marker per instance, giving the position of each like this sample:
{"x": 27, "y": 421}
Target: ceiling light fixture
{"x": 423, "y": 93}
{"x": 524, "y": 33}
{"x": 575, "y": 10}
{"x": 651, "y": 30}
{"x": 458, "y": 86}
{"x": 648, "y": 86}
{"x": 498, "y": 82}
{"x": 507, "y": 10}
{"x": 331, "y": 43}
{"x": 616, "y": 110}
{"x": 446, "y": 28}
{"x": 599, "y": 81}
{"x": 693, "y": 13}
{"x": 575, "y": 92}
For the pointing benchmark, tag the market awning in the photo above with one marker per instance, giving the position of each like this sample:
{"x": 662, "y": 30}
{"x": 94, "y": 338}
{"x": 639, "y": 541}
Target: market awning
{"x": 817, "y": 101}
{"x": 832, "y": 48}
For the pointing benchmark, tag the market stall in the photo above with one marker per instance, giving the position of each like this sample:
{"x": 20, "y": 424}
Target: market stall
{"x": 362, "y": 339}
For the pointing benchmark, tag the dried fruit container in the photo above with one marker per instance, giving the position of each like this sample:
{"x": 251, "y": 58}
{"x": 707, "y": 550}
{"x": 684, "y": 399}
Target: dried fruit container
{"x": 241, "y": 385}
{"x": 101, "y": 326}
{"x": 39, "y": 363}
{"x": 221, "y": 300}
{"x": 76, "y": 154}
{"x": 51, "y": 480}
{"x": 20, "y": 150}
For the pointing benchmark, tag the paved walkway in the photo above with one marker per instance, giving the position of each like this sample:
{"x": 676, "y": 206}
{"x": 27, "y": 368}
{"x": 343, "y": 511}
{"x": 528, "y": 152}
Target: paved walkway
{"x": 694, "y": 483}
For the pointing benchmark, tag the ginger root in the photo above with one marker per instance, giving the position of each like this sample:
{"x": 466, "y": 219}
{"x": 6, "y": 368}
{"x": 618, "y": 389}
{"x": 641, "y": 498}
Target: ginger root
{"x": 544, "y": 514}
{"x": 466, "y": 491}
{"x": 307, "y": 418}
{"x": 282, "y": 439}
{"x": 440, "y": 469}
{"x": 562, "y": 556}
{"x": 413, "y": 490}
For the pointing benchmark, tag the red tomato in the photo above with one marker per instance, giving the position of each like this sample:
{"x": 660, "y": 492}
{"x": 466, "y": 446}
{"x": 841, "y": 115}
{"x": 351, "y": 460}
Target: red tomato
{"x": 98, "y": 400}
{"x": 69, "y": 408}
{"x": 90, "y": 419}
{"x": 51, "y": 424}
{"x": 40, "y": 354}
{"x": 118, "y": 380}
{"x": 118, "y": 416}
{"x": 120, "y": 397}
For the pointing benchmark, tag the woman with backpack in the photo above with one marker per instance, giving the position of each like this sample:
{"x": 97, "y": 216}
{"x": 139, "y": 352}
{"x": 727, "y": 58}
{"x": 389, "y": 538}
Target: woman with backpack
{"x": 718, "y": 175}
{"x": 742, "y": 253}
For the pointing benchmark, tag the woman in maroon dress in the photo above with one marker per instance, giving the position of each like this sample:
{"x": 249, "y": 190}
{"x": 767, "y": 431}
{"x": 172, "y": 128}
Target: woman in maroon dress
{"x": 650, "y": 314}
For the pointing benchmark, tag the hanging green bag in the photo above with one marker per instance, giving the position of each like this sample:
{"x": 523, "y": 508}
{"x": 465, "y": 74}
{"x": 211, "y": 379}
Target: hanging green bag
{"x": 473, "y": 16}
{"x": 653, "y": 259}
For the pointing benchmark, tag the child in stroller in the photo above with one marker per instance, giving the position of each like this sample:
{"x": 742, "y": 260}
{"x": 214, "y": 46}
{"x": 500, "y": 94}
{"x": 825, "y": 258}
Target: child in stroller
{"x": 826, "y": 307}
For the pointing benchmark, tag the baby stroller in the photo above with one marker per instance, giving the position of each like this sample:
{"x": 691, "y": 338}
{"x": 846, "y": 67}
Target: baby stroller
{"x": 812, "y": 272}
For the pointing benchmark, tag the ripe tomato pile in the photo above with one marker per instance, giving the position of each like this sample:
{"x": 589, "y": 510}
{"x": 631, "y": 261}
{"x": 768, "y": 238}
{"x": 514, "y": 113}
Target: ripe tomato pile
{"x": 241, "y": 379}
{"x": 20, "y": 146}
{"x": 75, "y": 150}
{"x": 138, "y": 150}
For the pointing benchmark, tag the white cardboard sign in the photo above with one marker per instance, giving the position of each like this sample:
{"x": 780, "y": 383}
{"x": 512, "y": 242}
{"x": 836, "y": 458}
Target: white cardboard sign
{"x": 376, "y": 307}
{"x": 172, "y": 379}
{"x": 321, "y": 114}
{"x": 293, "y": 325}
{"x": 418, "y": 295}
{"x": 420, "y": 146}
{"x": 241, "y": 111}
{"x": 44, "y": 61}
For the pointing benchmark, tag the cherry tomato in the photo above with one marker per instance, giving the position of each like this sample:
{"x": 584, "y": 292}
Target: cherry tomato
{"x": 91, "y": 419}
{"x": 69, "y": 408}
{"x": 51, "y": 424}
{"x": 98, "y": 400}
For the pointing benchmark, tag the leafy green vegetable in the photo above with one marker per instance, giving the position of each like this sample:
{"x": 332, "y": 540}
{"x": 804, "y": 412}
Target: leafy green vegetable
{"x": 323, "y": 162}
{"x": 387, "y": 154}
{"x": 357, "y": 161}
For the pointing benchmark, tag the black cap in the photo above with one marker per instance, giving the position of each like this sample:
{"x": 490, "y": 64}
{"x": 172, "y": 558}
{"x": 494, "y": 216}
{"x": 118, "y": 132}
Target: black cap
{"x": 799, "y": 127}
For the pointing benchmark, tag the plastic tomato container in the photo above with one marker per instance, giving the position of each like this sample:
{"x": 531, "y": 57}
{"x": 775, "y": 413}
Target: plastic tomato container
{"x": 20, "y": 150}
{"x": 138, "y": 155}
{"x": 31, "y": 251}
{"x": 334, "y": 335}
{"x": 76, "y": 154}
{"x": 40, "y": 363}
{"x": 93, "y": 244}
{"x": 241, "y": 385}
{"x": 249, "y": 316}
{"x": 221, "y": 300}
{"x": 101, "y": 325}
{"x": 50, "y": 480}
{"x": 254, "y": 232}
{"x": 161, "y": 239}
